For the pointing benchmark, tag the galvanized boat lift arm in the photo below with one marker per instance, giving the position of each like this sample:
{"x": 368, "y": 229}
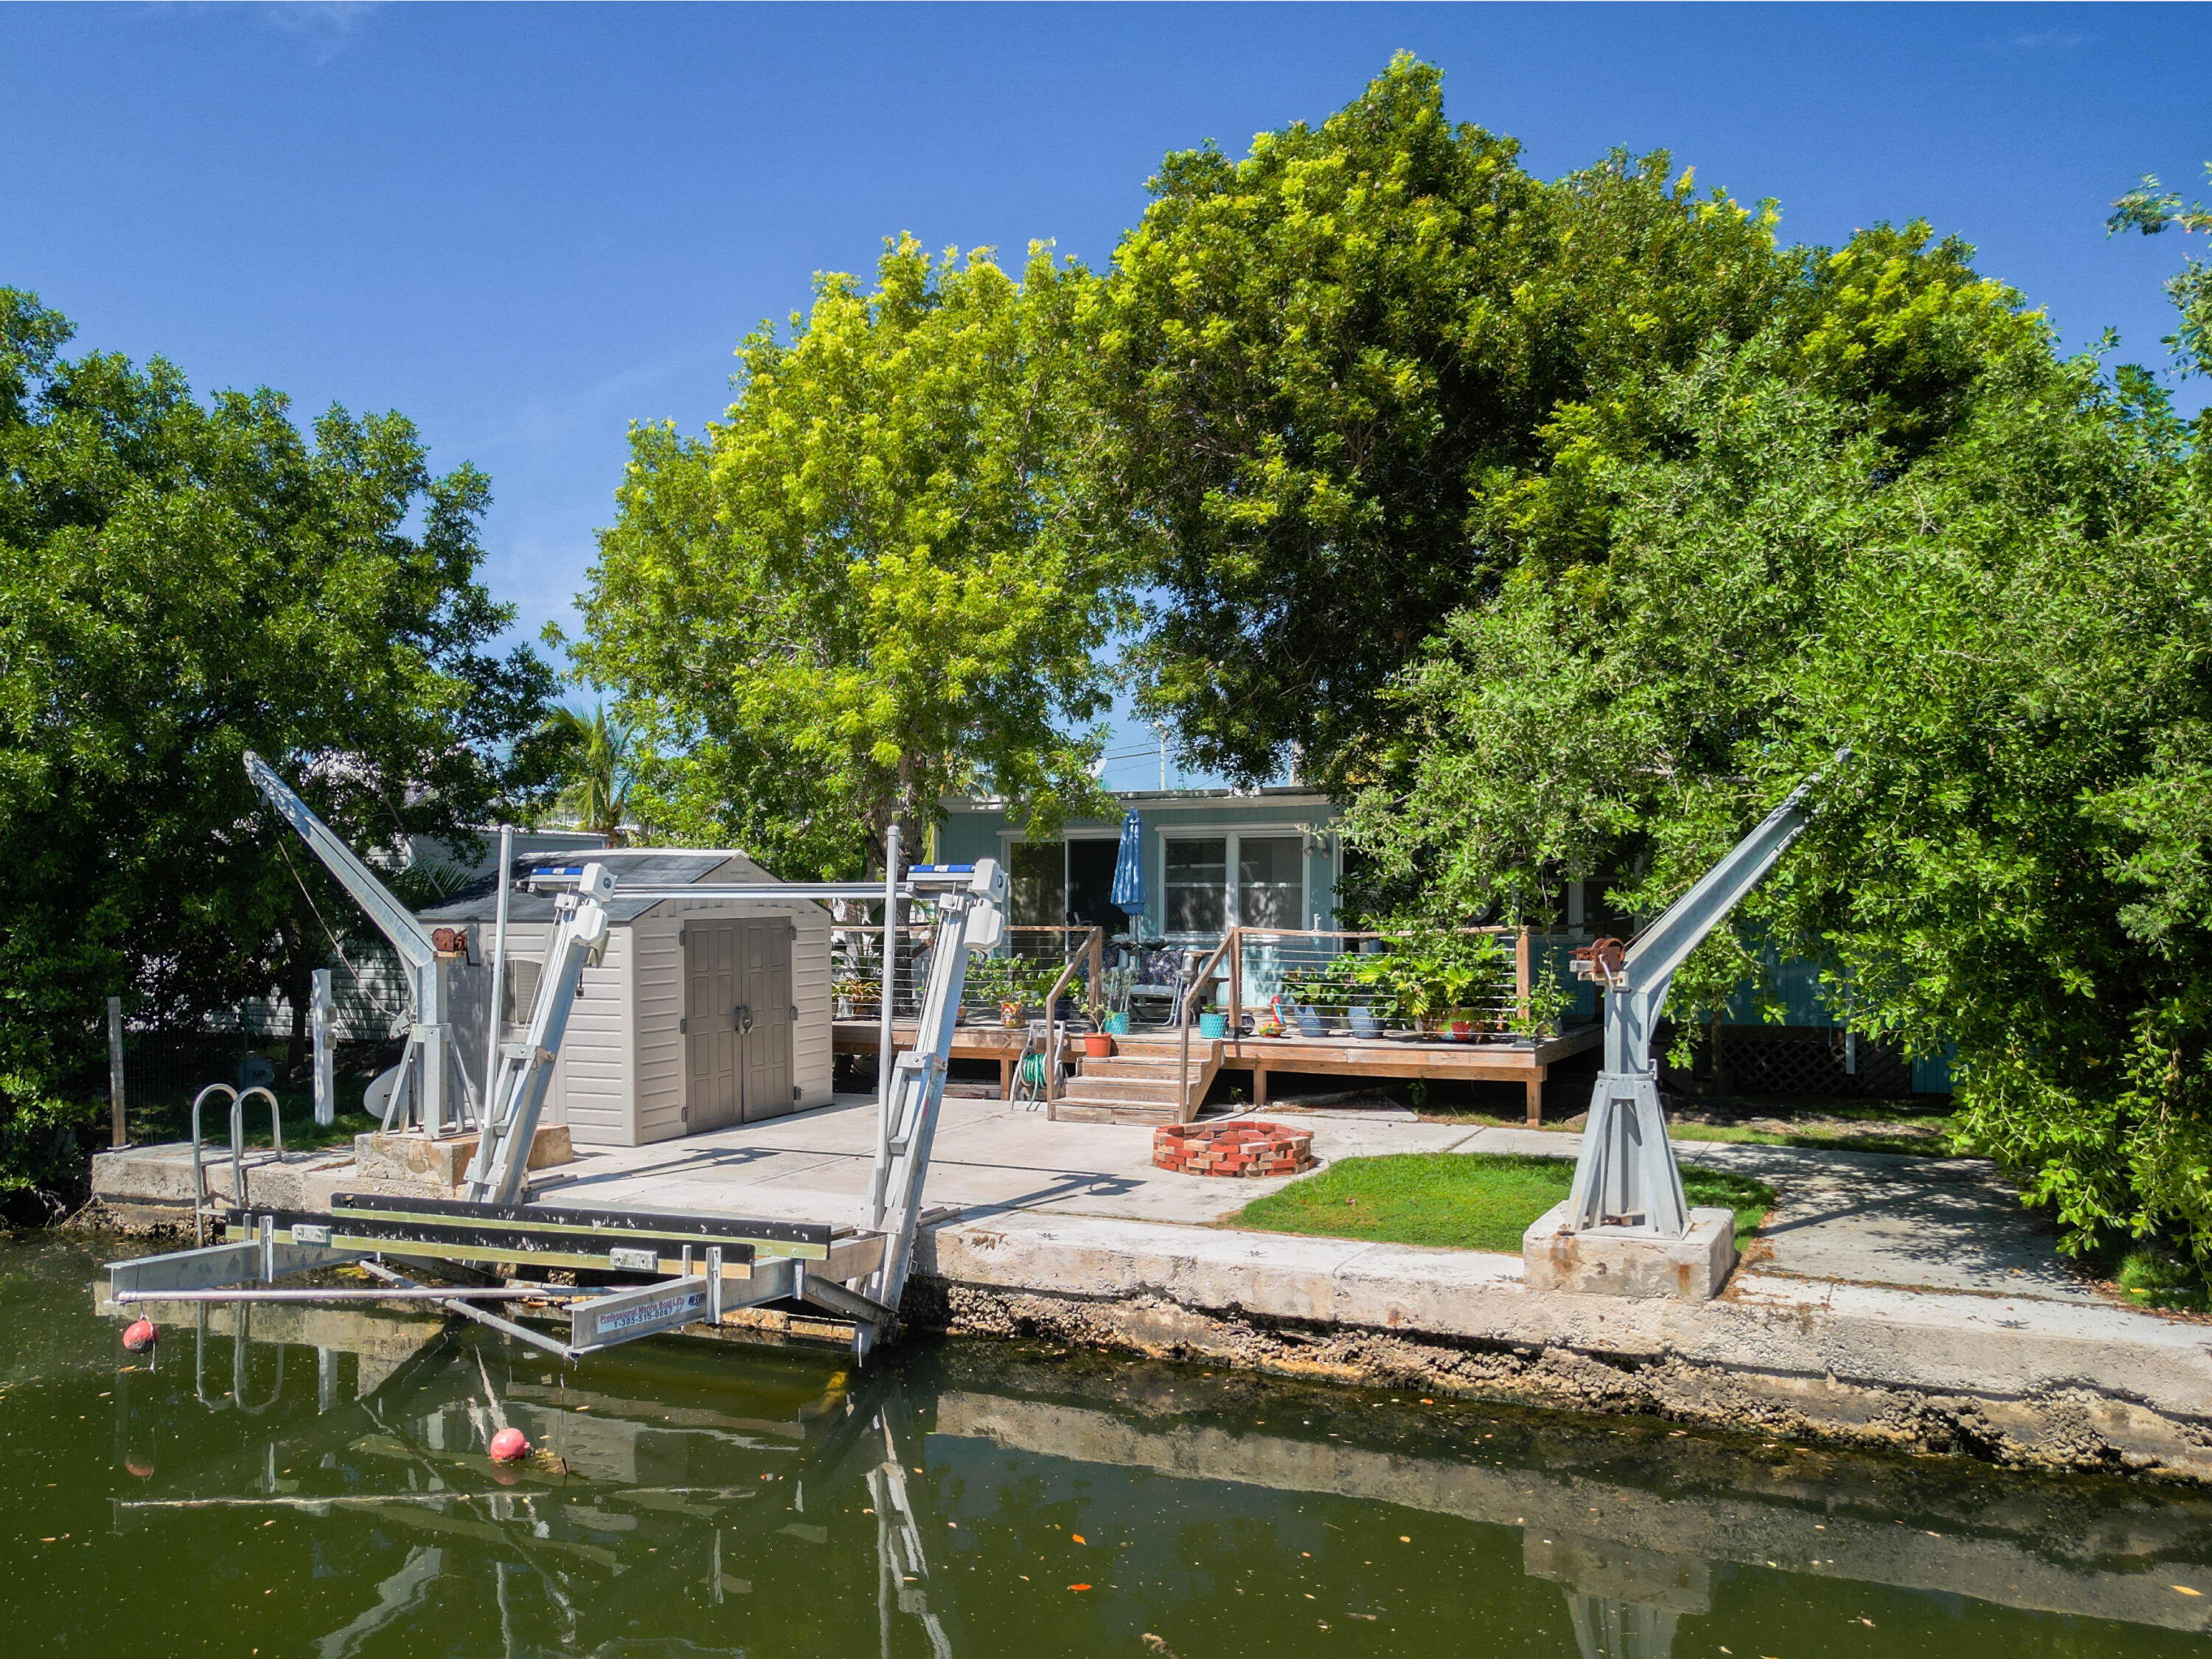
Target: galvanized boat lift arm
{"x": 501, "y": 1164}
{"x": 972, "y": 918}
{"x": 437, "y": 1062}
{"x": 1627, "y": 1178}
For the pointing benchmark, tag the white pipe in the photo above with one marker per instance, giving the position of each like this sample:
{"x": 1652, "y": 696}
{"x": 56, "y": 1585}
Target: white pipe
{"x": 891, "y": 957}
{"x": 498, "y": 975}
{"x": 322, "y": 1007}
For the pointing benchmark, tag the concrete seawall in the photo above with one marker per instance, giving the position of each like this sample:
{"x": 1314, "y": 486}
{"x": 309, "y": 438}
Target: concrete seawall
{"x": 2012, "y": 1379}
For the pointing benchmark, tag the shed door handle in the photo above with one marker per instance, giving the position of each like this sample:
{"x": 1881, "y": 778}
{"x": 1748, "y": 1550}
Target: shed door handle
{"x": 741, "y": 1018}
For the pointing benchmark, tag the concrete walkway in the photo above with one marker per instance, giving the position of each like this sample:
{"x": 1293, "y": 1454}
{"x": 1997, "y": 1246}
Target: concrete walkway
{"x": 1853, "y": 1218}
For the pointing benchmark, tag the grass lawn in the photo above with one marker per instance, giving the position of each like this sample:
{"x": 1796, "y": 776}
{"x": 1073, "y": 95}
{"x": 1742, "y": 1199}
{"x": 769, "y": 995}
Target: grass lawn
{"x": 1467, "y": 1200}
{"x": 1835, "y": 1128}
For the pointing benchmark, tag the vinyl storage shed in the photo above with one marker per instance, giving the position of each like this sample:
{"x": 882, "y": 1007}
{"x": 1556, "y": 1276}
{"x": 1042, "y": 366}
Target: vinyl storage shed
{"x": 702, "y": 1013}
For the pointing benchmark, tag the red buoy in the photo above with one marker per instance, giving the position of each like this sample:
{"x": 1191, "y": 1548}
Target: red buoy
{"x": 140, "y": 1335}
{"x": 509, "y": 1446}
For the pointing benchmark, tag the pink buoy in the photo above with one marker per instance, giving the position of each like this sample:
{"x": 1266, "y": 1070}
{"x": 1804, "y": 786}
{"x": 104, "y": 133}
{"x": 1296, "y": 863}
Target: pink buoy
{"x": 509, "y": 1446}
{"x": 140, "y": 1335}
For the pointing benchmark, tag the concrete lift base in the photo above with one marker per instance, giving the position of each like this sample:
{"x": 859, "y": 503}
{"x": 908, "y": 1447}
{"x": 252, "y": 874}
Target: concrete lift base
{"x": 1616, "y": 1261}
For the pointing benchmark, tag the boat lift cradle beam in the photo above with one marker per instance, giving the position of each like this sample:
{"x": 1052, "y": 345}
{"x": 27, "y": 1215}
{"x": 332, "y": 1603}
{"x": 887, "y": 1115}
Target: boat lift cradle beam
{"x": 1626, "y": 1179}
{"x": 431, "y": 1053}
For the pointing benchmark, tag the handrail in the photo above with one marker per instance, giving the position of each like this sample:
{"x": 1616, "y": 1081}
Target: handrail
{"x": 199, "y": 1173}
{"x": 1085, "y": 952}
{"x": 1198, "y": 981}
{"x": 238, "y": 1138}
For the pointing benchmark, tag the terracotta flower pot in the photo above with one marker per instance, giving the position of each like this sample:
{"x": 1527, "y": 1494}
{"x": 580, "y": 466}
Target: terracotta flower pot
{"x": 1097, "y": 1045}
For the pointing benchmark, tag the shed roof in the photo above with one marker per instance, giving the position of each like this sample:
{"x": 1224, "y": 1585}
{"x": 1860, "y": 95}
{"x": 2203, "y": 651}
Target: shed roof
{"x": 664, "y": 866}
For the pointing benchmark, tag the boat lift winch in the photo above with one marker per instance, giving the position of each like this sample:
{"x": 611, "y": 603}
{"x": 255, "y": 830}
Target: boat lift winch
{"x": 696, "y": 1266}
{"x": 1626, "y": 1179}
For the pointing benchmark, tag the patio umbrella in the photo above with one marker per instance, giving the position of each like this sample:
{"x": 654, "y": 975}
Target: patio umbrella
{"x": 1129, "y": 867}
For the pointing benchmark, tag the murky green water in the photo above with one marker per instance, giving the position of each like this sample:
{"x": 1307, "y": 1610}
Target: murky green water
{"x": 321, "y": 1489}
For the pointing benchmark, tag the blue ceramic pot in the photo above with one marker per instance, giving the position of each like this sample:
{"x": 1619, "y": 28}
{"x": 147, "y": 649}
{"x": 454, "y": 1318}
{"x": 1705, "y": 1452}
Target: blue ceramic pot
{"x": 1213, "y": 1025}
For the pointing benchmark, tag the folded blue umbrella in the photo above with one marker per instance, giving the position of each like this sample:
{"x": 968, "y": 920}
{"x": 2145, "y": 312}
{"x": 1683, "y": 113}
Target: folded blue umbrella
{"x": 1129, "y": 867}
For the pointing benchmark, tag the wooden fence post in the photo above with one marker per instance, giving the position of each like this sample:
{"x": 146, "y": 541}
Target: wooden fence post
{"x": 115, "y": 1072}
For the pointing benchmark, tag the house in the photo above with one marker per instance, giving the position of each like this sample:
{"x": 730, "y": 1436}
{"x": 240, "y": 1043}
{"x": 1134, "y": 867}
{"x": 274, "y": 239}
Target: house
{"x": 1273, "y": 859}
{"x": 1263, "y": 858}
{"x": 701, "y": 1013}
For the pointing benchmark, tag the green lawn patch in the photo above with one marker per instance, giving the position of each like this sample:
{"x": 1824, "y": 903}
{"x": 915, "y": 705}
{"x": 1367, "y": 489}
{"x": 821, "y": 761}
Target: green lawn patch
{"x": 1463, "y": 1201}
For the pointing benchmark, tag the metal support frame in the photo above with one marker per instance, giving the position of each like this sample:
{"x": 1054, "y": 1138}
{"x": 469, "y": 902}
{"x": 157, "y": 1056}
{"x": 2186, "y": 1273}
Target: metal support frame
{"x": 322, "y": 1020}
{"x": 1627, "y": 1178}
{"x": 432, "y": 1048}
{"x": 501, "y": 1165}
{"x": 970, "y": 919}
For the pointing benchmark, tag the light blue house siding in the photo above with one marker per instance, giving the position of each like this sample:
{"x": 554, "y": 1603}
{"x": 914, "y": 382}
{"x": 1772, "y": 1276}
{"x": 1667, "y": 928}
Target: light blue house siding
{"x": 979, "y": 829}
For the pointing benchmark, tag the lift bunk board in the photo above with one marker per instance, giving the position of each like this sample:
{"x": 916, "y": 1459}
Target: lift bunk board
{"x": 698, "y": 1266}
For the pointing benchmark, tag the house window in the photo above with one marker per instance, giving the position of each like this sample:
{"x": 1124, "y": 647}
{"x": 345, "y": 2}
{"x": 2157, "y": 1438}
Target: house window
{"x": 1271, "y": 881}
{"x": 1066, "y": 883}
{"x": 1256, "y": 880}
{"x": 1197, "y": 882}
{"x": 1036, "y": 872}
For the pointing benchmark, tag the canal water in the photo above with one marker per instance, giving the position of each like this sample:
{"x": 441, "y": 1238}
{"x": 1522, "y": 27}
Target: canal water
{"x": 312, "y": 1482}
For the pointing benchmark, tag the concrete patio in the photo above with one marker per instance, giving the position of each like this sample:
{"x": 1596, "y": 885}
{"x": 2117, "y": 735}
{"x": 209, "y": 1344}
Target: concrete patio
{"x": 1848, "y": 1218}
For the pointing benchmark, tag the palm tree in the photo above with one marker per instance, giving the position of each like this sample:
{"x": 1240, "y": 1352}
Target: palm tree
{"x": 598, "y": 757}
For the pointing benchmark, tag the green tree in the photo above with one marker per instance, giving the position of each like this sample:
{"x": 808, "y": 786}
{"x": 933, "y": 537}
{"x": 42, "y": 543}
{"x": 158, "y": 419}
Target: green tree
{"x": 876, "y": 579}
{"x": 1358, "y": 375}
{"x": 181, "y": 581}
{"x": 598, "y": 768}
{"x": 2007, "y": 623}
{"x": 2151, "y": 208}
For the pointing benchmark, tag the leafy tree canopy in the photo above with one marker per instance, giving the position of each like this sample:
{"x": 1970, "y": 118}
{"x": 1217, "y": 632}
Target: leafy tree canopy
{"x": 878, "y": 579}
{"x": 181, "y": 581}
{"x": 2152, "y": 208}
{"x": 1358, "y": 376}
{"x": 2010, "y": 630}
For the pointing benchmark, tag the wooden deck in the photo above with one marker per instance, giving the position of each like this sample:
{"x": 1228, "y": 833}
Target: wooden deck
{"x": 1527, "y": 1063}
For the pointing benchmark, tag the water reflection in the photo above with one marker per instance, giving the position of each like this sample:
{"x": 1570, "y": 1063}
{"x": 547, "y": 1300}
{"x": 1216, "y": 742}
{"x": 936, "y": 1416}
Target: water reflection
{"x": 692, "y": 1498}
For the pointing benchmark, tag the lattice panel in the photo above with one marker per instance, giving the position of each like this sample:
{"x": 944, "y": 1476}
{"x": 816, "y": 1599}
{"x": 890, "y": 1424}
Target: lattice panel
{"x": 1800, "y": 1060}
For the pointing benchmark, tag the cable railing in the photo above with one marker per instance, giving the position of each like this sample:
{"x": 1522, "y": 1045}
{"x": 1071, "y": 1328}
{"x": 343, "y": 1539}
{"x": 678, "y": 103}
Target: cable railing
{"x": 1468, "y": 985}
{"x": 1036, "y": 968}
{"x": 1475, "y": 984}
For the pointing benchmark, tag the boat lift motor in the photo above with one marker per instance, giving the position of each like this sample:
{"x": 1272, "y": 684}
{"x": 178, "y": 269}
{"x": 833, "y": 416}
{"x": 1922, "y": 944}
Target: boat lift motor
{"x": 1626, "y": 1179}
{"x": 432, "y": 1064}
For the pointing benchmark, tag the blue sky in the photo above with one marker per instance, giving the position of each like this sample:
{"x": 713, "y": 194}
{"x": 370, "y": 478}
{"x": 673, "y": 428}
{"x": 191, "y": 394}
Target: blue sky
{"x": 525, "y": 227}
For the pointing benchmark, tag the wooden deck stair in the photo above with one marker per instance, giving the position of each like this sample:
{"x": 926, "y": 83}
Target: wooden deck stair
{"x": 1141, "y": 1083}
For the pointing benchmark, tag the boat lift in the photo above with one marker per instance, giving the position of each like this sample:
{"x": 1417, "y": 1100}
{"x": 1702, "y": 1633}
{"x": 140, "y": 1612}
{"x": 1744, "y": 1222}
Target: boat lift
{"x": 697, "y": 1266}
{"x": 431, "y": 1068}
{"x": 1626, "y": 1179}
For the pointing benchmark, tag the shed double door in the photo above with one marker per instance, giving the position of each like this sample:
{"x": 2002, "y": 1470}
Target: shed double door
{"x": 738, "y": 1017}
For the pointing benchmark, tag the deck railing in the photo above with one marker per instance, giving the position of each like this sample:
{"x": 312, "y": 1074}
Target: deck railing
{"x": 1303, "y": 974}
{"x": 1065, "y": 959}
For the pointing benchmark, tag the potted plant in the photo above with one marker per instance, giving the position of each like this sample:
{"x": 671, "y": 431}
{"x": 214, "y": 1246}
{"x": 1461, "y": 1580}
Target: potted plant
{"x": 856, "y": 998}
{"x": 1114, "y": 987}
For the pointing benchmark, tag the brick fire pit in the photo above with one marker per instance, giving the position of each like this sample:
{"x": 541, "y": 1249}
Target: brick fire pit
{"x": 1232, "y": 1149}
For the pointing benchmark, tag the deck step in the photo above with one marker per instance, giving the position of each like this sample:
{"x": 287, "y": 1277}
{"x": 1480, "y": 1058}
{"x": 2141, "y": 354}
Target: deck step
{"x": 1131, "y": 1089}
{"x": 1077, "y": 1110}
{"x": 1132, "y": 1066}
